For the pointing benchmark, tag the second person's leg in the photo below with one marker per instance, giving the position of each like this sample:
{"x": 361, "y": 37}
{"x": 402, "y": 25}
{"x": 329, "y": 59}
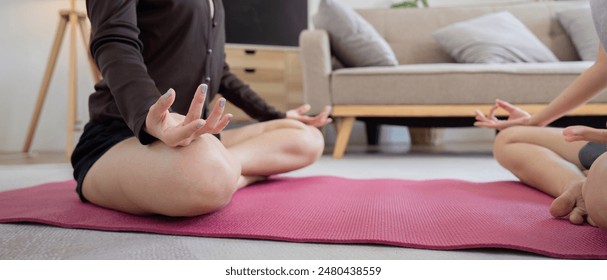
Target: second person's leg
{"x": 540, "y": 157}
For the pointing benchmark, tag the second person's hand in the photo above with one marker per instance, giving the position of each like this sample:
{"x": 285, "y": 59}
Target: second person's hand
{"x": 178, "y": 130}
{"x": 585, "y": 133}
{"x": 516, "y": 116}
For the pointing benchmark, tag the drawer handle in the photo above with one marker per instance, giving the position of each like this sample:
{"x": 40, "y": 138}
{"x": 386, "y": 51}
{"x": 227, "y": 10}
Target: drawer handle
{"x": 249, "y": 70}
{"x": 250, "y": 52}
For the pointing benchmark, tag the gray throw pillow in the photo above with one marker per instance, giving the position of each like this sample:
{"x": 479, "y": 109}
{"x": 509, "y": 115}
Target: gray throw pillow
{"x": 492, "y": 38}
{"x": 354, "y": 41}
{"x": 580, "y": 28}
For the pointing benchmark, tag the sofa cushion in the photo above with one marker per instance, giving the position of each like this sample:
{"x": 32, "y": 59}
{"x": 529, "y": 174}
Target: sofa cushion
{"x": 580, "y": 28}
{"x": 353, "y": 40}
{"x": 454, "y": 83}
{"x": 492, "y": 38}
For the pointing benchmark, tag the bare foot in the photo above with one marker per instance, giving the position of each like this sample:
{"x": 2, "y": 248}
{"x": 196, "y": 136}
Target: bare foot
{"x": 244, "y": 181}
{"x": 571, "y": 203}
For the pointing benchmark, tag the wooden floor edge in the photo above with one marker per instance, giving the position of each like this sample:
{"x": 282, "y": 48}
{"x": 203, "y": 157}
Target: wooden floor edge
{"x": 594, "y": 109}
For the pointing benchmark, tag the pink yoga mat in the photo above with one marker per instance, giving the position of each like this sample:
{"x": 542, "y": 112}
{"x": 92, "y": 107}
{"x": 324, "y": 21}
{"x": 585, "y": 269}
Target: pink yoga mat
{"x": 436, "y": 214}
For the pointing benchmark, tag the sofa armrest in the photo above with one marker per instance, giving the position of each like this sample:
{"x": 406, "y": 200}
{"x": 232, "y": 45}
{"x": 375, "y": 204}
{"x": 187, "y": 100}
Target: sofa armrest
{"x": 316, "y": 62}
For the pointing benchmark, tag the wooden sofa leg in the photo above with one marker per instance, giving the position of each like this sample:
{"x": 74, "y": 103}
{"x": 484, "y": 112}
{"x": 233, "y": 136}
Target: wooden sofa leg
{"x": 343, "y": 136}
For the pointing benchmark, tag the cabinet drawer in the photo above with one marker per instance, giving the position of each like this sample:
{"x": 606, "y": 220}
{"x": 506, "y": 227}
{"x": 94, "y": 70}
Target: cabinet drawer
{"x": 274, "y": 74}
{"x": 255, "y": 74}
{"x": 270, "y": 90}
{"x": 266, "y": 59}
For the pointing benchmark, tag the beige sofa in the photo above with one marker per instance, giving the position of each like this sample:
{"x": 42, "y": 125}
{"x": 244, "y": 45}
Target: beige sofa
{"x": 428, "y": 83}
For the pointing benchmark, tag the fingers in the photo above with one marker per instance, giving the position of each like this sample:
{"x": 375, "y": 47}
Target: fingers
{"x": 221, "y": 125}
{"x": 319, "y": 120}
{"x": 216, "y": 113}
{"x": 572, "y": 133}
{"x": 480, "y": 116}
{"x": 157, "y": 114}
{"x": 483, "y": 121}
{"x": 505, "y": 105}
{"x": 195, "y": 111}
{"x": 327, "y": 110}
{"x": 177, "y": 130}
{"x": 492, "y": 113}
{"x": 303, "y": 109}
{"x": 324, "y": 115}
{"x": 584, "y": 133}
{"x": 162, "y": 104}
{"x": 487, "y": 125}
{"x": 215, "y": 123}
{"x": 183, "y": 135}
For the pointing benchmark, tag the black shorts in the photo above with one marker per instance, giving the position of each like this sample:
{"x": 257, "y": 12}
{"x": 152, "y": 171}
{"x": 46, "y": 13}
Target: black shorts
{"x": 590, "y": 152}
{"x": 97, "y": 138}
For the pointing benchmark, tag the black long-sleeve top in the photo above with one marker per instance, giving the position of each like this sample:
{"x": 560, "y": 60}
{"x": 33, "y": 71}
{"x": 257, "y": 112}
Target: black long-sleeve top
{"x": 145, "y": 47}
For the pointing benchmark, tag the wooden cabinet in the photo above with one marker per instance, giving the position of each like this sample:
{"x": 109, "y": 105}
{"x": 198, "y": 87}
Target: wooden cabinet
{"x": 273, "y": 73}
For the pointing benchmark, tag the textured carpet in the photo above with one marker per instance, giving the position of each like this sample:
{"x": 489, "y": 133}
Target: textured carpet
{"x": 436, "y": 214}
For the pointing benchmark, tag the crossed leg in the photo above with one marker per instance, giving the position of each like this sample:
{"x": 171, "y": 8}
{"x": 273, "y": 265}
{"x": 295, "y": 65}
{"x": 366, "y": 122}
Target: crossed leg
{"x": 273, "y": 147}
{"x": 541, "y": 158}
{"x": 158, "y": 179}
{"x": 202, "y": 177}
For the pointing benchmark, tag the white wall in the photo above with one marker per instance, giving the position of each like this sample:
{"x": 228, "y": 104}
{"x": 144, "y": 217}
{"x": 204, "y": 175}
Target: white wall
{"x": 28, "y": 28}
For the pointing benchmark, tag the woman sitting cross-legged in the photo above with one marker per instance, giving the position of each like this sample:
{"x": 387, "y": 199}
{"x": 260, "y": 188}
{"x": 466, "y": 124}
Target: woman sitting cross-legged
{"x": 569, "y": 164}
{"x": 152, "y": 146}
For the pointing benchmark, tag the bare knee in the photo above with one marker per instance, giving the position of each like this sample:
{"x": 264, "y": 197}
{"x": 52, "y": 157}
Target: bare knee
{"x": 305, "y": 142}
{"x": 205, "y": 180}
{"x": 309, "y": 144}
{"x": 313, "y": 143}
{"x": 503, "y": 140}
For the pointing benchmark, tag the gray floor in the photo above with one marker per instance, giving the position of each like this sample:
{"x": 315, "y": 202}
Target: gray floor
{"x": 469, "y": 162}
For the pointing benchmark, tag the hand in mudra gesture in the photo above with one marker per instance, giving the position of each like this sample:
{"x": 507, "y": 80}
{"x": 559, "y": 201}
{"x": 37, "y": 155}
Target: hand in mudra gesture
{"x": 317, "y": 121}
{"x": 175, "y": 129}
{"x": 516, "y": 116}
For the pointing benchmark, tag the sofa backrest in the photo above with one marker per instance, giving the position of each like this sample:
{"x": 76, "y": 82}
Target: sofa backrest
{"x": 409, "y": 31}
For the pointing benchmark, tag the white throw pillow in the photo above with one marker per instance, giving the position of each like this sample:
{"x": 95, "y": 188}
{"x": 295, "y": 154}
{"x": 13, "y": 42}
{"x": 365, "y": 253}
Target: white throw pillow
{"x": 580, "y": 28}
{"x": 492, "y": 38}
{"x": 354, "y": 41}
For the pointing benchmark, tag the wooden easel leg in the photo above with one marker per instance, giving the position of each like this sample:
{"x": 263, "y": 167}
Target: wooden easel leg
{"x": 48, "y": 74}
{"x": 73, "y": 79}
{"x": 343, "y": 137}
